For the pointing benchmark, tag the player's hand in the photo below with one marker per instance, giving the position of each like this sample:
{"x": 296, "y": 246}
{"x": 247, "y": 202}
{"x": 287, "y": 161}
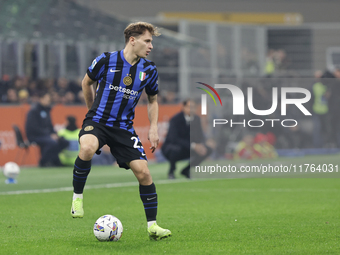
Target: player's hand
{"x": 153, "y": 138}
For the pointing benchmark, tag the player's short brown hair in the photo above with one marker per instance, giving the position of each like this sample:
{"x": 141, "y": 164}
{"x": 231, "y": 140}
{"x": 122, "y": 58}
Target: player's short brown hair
{"x": 138, "y": 28}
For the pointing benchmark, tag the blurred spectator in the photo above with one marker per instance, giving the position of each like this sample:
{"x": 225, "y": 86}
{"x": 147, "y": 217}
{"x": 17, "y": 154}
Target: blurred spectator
{"x": 165, "y": 57}
{"x": 333, "y": 103}
{"x": 169, "y": 97}
{"x": 249, "y": 62}
{"x": 271, "y": 138}
{"x": 65, "y": 96}
{"x": 25, "y": 90}
{"x": 270, "y": 64}
{"x": 321, "y": 96}
{"x": 55, "y": 97}
{"x": 264, "y": 147}
{"x": 11, "y": 97}
{"x": 25, "y": 81}
{"x": 62, "y": 85}
{"x": 33, "y": 91}
{"x": 75, "y": 88}
{"x": 280, "y": 58}
{"x": 80, "y": 97}
{"x": 17, "y": 83}
{"x": 49, "y": 84}
{"x": 5, "y": 78}
{"x": 39, "y": 129}
{"x": 23, "y": 96}
{"x": 182, "y": 144}
{"x": 4, "y": 85}
{"x": 293, "y": 137}
{"x": 245, "y": 149}
{"x": 277, "y": 62}
{"x": 70, "y": 133}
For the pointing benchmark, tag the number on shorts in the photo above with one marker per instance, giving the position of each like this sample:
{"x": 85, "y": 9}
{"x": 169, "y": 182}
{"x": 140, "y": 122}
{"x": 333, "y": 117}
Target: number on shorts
{"x": 135, "y": 145}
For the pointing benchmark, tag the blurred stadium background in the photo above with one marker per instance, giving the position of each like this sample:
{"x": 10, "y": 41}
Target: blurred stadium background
{"x": 258, "y": 43}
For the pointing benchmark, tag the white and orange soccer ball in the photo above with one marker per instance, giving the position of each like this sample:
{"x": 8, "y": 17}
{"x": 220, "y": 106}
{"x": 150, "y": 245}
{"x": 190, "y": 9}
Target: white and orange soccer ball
{"x": 108, "y": 228}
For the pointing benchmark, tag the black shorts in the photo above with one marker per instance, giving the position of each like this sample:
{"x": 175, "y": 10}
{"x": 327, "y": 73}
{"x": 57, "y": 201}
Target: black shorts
{"x": 124, "y": 145}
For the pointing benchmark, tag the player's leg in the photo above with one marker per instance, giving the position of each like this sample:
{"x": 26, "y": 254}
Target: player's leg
{"x": 147, "y": 189}
{"x": 148, "y": 195}
{"x": 89, "y": 144}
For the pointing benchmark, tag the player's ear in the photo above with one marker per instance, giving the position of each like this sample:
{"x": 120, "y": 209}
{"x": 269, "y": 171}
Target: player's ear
{"x": 132, "y": 40}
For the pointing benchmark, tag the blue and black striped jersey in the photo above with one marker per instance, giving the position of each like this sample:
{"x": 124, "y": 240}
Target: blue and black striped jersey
{"x": 120, "y": 86}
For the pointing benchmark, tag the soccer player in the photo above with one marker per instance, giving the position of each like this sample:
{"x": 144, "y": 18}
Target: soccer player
{"x": 121, "y": 76}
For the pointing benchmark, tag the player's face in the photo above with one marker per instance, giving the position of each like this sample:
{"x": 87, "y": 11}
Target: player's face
{"x": 143, "y": 44}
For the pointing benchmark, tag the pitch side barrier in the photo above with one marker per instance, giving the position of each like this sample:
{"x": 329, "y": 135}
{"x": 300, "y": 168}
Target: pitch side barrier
{"x": 16, "y": 115}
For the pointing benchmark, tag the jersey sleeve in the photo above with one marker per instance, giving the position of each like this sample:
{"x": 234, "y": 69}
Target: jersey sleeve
{"x": 96, "y": 70}
{"x": 152, "y": 86}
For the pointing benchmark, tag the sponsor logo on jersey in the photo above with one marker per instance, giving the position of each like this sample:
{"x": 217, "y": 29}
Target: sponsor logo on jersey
{"x": 128, "y": 93}
{"x": 124, "y": 90}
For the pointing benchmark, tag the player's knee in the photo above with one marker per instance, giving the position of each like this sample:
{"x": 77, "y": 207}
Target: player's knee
{"x": 143, "y": 176}
{"x": 87, "y": 150}
{"x": 145, "y": 173}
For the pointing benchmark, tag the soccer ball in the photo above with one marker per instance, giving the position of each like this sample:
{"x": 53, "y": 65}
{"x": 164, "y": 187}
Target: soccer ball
{"x": 108, "y": 228}
{"x": 11, "y": 170}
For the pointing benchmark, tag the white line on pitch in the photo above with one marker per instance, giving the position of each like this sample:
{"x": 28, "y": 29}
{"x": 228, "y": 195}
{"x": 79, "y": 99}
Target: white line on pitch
{"x": 98, "y": 186}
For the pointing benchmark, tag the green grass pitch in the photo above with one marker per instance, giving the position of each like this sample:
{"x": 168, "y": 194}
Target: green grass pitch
{"x": 206, "y": 216}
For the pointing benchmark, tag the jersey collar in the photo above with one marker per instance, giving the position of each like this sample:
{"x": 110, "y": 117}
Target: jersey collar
{"x": 122, "y": 56}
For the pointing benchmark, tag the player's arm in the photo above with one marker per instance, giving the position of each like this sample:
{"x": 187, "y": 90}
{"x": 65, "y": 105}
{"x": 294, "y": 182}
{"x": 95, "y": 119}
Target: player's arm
{"x": 153, "y": 118}
{"x": 88, "y": 90}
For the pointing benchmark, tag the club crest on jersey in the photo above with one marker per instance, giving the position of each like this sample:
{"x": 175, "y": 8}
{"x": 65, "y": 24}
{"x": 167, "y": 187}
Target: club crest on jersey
{"x": 88, "y": 128}
{"x": 127, "y": 80}
{"x": 142, "y": 76}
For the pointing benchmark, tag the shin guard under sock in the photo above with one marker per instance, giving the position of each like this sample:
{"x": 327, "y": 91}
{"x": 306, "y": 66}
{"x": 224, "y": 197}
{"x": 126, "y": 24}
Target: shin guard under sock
{"x": 148, "y": 196}
{"x": 80, "y": 172}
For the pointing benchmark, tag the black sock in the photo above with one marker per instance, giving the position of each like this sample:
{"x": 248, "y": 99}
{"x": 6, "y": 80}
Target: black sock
{"x": 149, "y": 198}
{"x": 80, "y": 172}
